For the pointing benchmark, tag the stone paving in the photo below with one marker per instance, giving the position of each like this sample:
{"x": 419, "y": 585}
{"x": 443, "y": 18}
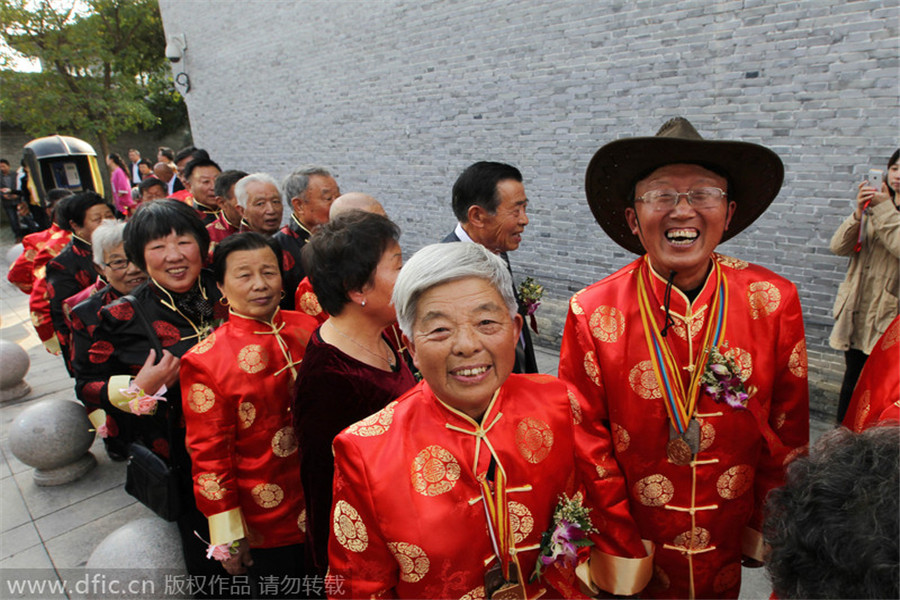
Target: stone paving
{"x": 55, "y": 529}
{"x": 50, "y": 529}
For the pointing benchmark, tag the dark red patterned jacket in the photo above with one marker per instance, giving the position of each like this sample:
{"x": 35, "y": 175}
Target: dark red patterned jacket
{"x": 84, "y": 318}
{"x": 120, "y": 345}
{"x": 67, "y": 274}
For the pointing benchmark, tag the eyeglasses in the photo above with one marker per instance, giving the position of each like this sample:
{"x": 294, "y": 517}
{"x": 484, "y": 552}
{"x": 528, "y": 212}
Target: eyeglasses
{"x": 701, "y": 198}
{"x": 118, "y": 264}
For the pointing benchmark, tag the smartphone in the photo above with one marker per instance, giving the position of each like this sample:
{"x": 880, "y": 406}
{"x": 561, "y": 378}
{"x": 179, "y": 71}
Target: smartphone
{"x": 875, "y": 178}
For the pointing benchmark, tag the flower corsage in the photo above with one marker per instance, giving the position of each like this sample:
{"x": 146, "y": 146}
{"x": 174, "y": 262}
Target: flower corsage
{"x": 566, "y": 536}
{"x": 219, "y": 551}
{"x": 103, "y": 431}
{"x": 721, "y": 380}
{"x": 142, "y": 403}
{"x": 530, "y": 294}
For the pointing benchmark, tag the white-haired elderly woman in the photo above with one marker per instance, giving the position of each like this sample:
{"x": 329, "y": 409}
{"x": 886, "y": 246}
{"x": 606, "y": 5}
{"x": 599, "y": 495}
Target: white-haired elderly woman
{"x": 446, "y": 492}
{"x": 260, "y": 202}
{"x": 122, "y": 276}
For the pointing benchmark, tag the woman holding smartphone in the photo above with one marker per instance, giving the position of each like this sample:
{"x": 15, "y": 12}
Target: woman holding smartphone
{"x": 867, "y": 300}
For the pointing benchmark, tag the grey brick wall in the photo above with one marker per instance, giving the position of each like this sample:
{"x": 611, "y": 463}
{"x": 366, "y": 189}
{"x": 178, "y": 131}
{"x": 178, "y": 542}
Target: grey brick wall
{"x": 398, "y": 97}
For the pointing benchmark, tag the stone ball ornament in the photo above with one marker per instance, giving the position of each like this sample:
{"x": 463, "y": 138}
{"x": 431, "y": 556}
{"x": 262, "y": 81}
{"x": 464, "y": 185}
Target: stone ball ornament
{"x": 53, "y": 436}
{"x": 14, "y": 365}
{"x": 146, "y": 551}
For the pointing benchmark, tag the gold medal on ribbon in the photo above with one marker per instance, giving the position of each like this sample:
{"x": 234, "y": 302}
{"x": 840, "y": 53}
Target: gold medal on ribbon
{"x": 678, "y": 452}
{"x": 497, "y": 587}
{"x": 691, "y": 436}
{"x": 680, "y": 401}
{"x": 502, "y": 580}
{"x": 681, "y": 448}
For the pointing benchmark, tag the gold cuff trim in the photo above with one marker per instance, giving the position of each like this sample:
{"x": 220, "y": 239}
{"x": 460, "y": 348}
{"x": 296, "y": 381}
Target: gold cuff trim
{"x": 226, "y": 527}
{"x": 583, "y": 575}
{"x": 621, "y": 576}
{"x": 97, "y": 418}
{"x": 52, "y": 345}
{"x": 752, "y": 544}
{"x": 116, "y": 398}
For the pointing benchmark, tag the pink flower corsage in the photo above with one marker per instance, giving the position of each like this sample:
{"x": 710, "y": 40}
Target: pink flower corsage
{"x": 103, "y": 431}
{"x": 219, "y": 551}
{"x": 722, "y": 380}
{"x": 141, "y": 402}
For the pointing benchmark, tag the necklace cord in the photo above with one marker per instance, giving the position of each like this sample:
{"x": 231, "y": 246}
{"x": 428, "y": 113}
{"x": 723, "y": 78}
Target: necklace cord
{"x": 389, "y": 361}
{"x": 667, "y": 301}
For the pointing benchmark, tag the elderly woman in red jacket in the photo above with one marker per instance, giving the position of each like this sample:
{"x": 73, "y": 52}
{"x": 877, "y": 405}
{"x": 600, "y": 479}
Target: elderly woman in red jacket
{"x": 236, "y": 389}
{"x": 445, "y": 493}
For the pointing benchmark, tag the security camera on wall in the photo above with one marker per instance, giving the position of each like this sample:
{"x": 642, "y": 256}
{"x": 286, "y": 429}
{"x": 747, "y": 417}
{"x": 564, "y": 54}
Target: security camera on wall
{"x": 175, "y": 48}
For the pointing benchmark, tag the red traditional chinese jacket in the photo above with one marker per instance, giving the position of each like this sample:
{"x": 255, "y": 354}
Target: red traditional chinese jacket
{"x": 703, "y": 516}
{"x": 39, "y": 301}
{"x": 47, "y": 244}
{"x": 221, "y": 228}
{"x": 236, "y": 393}
{"x": 876, "y": 397}
{"x": 305, "y": 300}
{"x": 408, "y": 512}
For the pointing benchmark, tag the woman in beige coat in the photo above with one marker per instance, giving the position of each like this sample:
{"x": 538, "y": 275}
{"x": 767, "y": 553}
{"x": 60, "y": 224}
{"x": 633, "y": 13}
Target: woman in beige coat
{"x": 867, "y": 300}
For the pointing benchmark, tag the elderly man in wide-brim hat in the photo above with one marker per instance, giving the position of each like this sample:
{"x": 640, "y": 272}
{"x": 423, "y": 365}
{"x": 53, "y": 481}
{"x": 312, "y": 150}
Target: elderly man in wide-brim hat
{"x": 696, "y": 361}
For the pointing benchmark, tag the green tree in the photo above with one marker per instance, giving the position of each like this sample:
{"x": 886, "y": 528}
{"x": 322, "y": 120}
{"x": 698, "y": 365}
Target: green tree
{"x": 103, "y": 68}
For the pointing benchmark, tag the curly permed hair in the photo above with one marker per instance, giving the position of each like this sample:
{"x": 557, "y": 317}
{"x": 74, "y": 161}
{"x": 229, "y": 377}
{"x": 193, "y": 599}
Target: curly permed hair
{"x": 833, "y": 527}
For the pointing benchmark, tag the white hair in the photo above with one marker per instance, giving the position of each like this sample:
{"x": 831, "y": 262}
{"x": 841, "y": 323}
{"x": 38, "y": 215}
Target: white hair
{"x": 240, "y": 188}
{"x": 442, "y": 263}
{"x": 106, "y": 237}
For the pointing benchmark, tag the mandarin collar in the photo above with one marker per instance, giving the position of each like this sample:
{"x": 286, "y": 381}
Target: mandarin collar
{"x": 679, "y": 302}
{"x": 456, "y": 416}
{"x": 169, "y": 295}
{"x": 297, "y": 225}
{"x": 229, "y": 223}
{"x": 254, "y": 325}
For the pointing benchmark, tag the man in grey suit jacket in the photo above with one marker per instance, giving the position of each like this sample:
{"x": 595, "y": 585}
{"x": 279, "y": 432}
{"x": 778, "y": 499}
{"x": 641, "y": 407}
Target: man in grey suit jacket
{"x": 490, "y": 205}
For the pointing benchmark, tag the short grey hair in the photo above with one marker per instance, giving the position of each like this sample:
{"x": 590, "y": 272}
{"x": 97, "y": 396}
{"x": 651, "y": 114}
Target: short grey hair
{"x": 295, "y": 184}
{"x": 442, "y": 263}
{"x": 107, "y": 236}
{"x": 240, "y": 188}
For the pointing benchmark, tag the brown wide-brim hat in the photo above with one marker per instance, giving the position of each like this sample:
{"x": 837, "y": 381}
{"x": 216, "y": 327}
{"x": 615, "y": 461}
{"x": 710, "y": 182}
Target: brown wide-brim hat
{"x": 754, "y": 172}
